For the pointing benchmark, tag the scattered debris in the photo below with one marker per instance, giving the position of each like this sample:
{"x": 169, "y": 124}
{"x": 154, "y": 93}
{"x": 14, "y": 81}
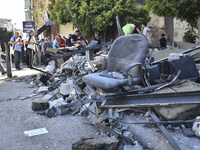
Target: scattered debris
{"x": 196, "y": 127}
{"x": 97, "y": 142}
{"x": 40, "y": 105}
{"x": 115, "y": 90}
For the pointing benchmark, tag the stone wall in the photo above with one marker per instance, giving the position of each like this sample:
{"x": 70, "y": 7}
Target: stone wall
{"x": 179, "y": 29}
{"x": 66, "y": 29}
{"x": 157, "y": 27}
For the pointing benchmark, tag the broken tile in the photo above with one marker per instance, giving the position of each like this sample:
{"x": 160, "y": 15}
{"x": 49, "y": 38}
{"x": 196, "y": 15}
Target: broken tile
{"x": 36, "y": 132}
{"x": 66, "y": 88}
{"x": 43, "y": 89}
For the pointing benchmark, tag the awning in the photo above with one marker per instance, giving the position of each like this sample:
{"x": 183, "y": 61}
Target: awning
{"x": 44, "y": 27}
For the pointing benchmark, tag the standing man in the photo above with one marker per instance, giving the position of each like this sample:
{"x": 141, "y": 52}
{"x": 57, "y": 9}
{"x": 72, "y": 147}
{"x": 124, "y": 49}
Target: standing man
{"x": 55, "y": 43}
{"x": 37, "y": 56}
{"x": 74, "y": 37}
{"x": 128, "y": 28}
{"x": 49, "y": 44}
{"x": 61, "y": 41}
{"x": 22, "y": 53}
{"x": 30, "y": 40}
{"x": 16, "y": 42}
{"x": 42, "y": 51}
{"x": 146, "y": 31}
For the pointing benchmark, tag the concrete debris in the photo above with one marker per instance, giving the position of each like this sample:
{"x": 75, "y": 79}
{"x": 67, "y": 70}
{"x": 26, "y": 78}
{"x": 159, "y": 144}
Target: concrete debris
{"x": 137, "y": 146}
{"x": 40, "y": 105}
{"x": 79, "y": 86}
{"x": 43, "y": 89}
{"x": 67, "y": 87}
{"x": 47, "y": 97}
{"x": 196, "y": 127}
{"x": 57, "y": 104}
{"x": 96, "y": 143}
{"x": 174, "y": 56}
{"x": 50, "y": 67}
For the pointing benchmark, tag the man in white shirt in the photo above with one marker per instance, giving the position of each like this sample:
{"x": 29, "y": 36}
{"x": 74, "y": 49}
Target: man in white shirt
{"x": 30, "y": 40}
{"x": 146, "y": 31}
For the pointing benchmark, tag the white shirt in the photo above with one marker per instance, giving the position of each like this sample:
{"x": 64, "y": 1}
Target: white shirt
{"x": 31, "y": 46}
{"x": 147, "y": 33}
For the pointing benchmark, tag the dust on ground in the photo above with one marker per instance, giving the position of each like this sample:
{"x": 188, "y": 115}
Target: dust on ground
{"x": 16, "y": 117}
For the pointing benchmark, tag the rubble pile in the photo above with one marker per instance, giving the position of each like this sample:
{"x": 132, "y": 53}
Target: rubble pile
{"x": 116, "y": 103}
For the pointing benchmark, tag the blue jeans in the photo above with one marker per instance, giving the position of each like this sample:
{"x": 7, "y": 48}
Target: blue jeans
{"x": 43, "y": 58}
{"x": 162, "y": 48}
{"x": 17, "y": 57}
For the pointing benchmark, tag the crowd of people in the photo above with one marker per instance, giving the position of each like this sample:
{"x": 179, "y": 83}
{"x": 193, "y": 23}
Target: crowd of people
{"x": 36, "y": 49}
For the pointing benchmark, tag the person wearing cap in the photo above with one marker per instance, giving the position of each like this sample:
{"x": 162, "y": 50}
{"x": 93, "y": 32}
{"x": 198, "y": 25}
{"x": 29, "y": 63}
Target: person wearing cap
{"x": 17, "y": 43}
{"x": 30, "y": 41}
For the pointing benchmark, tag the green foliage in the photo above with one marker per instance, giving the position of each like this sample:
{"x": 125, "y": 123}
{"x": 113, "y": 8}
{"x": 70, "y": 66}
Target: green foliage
{"x": 58, "y": 12}
{"x": 188, "y": 10}
{"x": 4, "y": 37}
{"x": 97, "y": 15}
{"x": 190, "y": 36}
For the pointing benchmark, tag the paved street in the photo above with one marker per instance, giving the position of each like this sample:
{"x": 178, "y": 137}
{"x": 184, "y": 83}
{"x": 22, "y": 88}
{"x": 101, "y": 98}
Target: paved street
{"x": 16, "y": 117}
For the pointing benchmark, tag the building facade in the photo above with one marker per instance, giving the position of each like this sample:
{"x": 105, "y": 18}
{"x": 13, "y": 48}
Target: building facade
{"x": 7, "y": 23}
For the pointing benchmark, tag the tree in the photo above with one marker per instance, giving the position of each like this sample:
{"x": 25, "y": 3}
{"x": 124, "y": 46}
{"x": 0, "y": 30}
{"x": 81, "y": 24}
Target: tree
{"x": 188, "y": 10}
{"x": 4, "y": 37}
{"x": 97, "y": 15}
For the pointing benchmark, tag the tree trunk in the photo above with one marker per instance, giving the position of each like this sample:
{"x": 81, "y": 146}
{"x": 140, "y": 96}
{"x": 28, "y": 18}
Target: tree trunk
{"x": 198, "y": 25}
{"x": 169, "y": 27}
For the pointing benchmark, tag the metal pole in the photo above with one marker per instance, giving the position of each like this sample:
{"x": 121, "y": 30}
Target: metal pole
{"x": 119, "y": 28}
{"x": 76, "y": 25}
{"x": 8, "y": 61}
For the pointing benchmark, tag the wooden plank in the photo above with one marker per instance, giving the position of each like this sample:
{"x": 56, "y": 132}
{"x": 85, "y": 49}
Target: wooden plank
{"x": 55, "y": 51}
